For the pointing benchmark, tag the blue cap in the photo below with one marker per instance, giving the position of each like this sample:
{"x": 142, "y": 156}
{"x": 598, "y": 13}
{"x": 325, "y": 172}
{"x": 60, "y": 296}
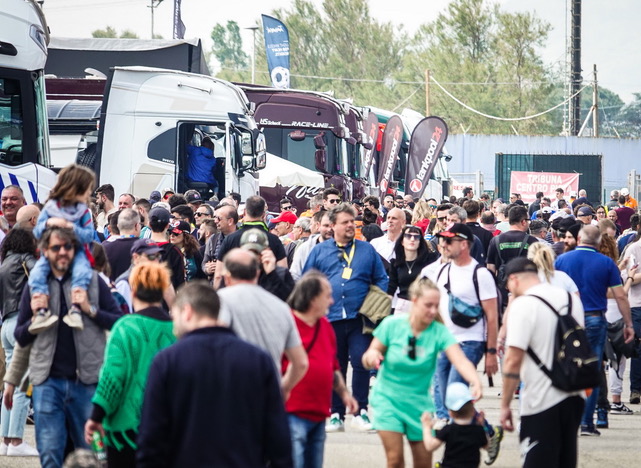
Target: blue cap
{"x": 457, "y": 395}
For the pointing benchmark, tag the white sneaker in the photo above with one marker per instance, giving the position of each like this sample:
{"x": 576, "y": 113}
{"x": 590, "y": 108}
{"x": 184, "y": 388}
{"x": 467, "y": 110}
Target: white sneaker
{"x": 335, "y": 424}
{"x": 22, "y": 450}
{"x": 3, "y": 448}
{"x": 361, "y": 422}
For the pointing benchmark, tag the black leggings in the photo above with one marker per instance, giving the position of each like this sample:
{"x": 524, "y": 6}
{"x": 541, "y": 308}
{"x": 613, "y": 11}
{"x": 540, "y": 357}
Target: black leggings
{"x": 549, "y": 438}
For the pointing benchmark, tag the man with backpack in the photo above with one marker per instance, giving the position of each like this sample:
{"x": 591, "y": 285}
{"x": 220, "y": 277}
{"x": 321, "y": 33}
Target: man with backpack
{"x": 550, "y": 417}
{"x": 595, "y": 274}
{"x": 469, "y": 310}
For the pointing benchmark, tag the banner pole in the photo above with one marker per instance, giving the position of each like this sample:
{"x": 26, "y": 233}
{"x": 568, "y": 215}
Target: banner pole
{"x": 427, "y": 93}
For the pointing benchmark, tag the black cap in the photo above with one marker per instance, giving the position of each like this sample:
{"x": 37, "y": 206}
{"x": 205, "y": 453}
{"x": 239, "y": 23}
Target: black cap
{"x": 520, "y": 265}
{"x": 159, "y": 217}
{"x": 457, "y": 230}
{"x": 145, "y": 246}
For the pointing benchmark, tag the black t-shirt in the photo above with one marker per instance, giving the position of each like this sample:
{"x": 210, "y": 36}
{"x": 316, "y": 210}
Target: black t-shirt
{"x": 483, "y": 234}
{"x": 462, "y": 445}
{"x": 119, "y": 255}
{"x": 232, "y": 241}
{"x": 507, "y": 246}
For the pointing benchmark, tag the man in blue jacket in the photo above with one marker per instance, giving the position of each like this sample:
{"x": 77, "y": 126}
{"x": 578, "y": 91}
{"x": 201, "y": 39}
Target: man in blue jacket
{"x": 351, "y": 266}
{"x": 211, "y": 399}
{"x": 201, "y": 164}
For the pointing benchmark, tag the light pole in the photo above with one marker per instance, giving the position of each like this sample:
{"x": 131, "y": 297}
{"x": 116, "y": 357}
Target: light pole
{"x": 153, "y": 4}
{"x": 253, "y": 29}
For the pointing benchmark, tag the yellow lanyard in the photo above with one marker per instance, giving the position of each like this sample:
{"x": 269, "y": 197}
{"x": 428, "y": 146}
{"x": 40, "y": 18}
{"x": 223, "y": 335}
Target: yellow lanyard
{"x": 351, "y": 254}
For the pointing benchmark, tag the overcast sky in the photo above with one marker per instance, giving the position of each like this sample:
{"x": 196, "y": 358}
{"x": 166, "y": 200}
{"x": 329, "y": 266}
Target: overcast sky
{"x": 611, "y": 30}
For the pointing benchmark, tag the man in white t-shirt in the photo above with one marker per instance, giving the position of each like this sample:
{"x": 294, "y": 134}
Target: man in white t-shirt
{"x": 550, "y": 417}
{"x": 384, "y": 245}
{"x": 460, "y": 279}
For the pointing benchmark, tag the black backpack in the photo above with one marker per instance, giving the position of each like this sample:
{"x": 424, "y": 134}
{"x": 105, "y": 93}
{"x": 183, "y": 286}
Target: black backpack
{"x": 574, "y": 365}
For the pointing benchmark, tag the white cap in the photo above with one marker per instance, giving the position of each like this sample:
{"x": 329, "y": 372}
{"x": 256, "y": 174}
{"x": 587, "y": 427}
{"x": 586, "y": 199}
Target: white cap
{"x": 625, "y": 192}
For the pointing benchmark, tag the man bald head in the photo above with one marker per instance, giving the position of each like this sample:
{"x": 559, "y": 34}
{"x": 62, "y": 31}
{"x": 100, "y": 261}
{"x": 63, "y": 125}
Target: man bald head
{"x": 395, "y": 222}
{"x": 241, "y": 266}
{"x": 27, "y": 217}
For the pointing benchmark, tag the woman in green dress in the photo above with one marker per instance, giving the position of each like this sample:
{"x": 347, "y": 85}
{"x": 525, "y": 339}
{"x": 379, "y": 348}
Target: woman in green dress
{"x": 404, "y": 350}
{"x": 134, "y": 341}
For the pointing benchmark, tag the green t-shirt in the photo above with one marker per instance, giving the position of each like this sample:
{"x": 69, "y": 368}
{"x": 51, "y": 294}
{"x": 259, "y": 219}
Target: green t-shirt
{"x": 401, "y": 377}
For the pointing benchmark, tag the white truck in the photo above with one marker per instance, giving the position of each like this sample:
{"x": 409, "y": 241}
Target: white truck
{"x": 24, "y": 136}
{"x": 149, "y": 116}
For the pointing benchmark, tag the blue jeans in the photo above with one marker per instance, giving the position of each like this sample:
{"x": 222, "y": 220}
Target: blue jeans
{"x": 351, "y": 343}
{"x": 80, "y": 274}
{"x": 447, "y": 374}
{"x": 61, "y": 407}
{"x": 635, "y": 363}
{"x": 308, "y": 442}
{"x": 596, "y": 329}
{"x": 12, "y": 421}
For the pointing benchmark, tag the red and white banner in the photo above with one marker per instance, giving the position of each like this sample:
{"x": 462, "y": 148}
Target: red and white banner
{"x": 529, "y": 183}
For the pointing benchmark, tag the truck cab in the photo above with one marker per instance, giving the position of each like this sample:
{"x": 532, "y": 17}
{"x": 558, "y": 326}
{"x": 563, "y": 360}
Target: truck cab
{"x": 24, "y": 137}
{"x": 151, "y": 117}
{"x": 309, "y": 129}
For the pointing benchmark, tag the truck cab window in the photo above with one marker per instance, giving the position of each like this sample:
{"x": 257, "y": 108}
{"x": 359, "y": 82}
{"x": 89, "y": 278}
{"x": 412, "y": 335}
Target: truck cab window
{"x": 11, "y": 122}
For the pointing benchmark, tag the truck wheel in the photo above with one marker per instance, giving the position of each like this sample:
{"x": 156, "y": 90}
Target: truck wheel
{"x": 87, "y": 157}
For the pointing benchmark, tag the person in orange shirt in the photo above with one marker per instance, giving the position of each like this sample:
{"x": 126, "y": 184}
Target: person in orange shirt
{"x": 629, "y": 201}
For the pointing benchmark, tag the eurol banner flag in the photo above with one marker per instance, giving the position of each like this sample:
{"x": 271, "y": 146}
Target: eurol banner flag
{"x": 277, "y": 49}
{"x": 426, "y": 145}
{"x": 371, "y": 128}
{"x": 391, "y": 145}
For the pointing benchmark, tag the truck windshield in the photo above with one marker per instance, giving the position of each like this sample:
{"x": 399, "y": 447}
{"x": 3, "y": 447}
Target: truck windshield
{"x": 302, "y": 152}
{"x": 23, "y": 118}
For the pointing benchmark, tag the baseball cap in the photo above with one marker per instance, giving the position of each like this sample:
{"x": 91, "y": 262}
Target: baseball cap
{"x": 457, "y": 230}
{"x": 193, "y": 196}
{"x": 159, "y": 217}
{"x": 154, "y": 197}
{"x": 585, "y": 211}
{"x": 145, "y": 246}
{"x": 625, "y": 192}
{"x": 285, "y": 217}
{"x": 573, "y": 194}
{"x": 254, "y": 239}
{"x": 178, "y": 227}
{"x": 519, "y": 265}
{"x": 165, "y": 191}
{"x": 357, "y": 201}
{"x": 457, "y": 395}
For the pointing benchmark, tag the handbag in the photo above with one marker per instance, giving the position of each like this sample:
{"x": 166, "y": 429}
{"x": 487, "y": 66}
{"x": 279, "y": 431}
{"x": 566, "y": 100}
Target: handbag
{"x": 376, "y": 306}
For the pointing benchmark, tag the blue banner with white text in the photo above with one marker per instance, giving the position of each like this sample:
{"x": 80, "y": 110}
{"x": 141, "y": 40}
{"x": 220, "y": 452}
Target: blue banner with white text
{"x": 277, "y": 49}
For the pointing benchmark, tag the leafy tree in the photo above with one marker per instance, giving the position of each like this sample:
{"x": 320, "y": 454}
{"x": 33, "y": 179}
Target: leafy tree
{"x": 628, "y": 120}
{"x": 110, "y": 32}
{"x": 228, "y": 46}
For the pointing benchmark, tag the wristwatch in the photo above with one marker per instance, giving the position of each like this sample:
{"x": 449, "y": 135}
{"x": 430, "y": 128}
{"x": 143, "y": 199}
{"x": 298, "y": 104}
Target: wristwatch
{"x": 490, "y": 350}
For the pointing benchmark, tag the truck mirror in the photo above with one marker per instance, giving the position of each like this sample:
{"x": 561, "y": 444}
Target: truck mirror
{"x": 320, "y": 157}
{"x": 297, "y": 135}
{"x": 260, "y": 158}
{"x": 246, "y": 143}
{"x": 351, "y": 140}
{"x": 319, "y": 141}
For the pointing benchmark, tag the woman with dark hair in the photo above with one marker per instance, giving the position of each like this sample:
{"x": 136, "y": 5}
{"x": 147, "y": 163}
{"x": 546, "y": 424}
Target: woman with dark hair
{"x": 180, "y": 236}
{"x": 412, "y": 254}
{"x": 18, "y": 256}
{"x": 134, "y": 341}
{"x": 309, "y": 401}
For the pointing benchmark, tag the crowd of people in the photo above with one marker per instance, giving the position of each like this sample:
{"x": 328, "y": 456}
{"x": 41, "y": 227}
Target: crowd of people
{"x": 180, "y": 332}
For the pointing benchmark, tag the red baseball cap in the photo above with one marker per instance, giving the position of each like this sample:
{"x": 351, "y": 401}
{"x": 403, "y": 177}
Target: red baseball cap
{"x": 285, "y": 217}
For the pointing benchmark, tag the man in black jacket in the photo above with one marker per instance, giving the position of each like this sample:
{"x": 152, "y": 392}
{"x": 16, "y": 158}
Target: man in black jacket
{"x": 211, "y": 398}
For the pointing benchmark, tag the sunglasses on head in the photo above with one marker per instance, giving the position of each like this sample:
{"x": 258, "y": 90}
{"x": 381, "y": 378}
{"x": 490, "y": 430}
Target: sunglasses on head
{"x": 411, "y": 348}
{"x": 56, "y": 248}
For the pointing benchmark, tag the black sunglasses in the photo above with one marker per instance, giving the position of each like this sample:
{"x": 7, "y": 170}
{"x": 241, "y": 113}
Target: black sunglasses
{"x": 334, "y": 200}
{"x": 442, "y": 218}
{"x": 197, "y": 213}
{"x": 411, "y": 348}
{"x": 412, "y": 236}
{"x": 56, "y": 248}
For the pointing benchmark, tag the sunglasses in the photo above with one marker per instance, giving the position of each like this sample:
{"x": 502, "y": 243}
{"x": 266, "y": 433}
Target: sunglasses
{"x": 334, "y": 200}
{"x": 411, "y": 348}
{"x": 198, "y": 213}
{"x": 412, "y": 236}
{"x": 449, "y": 240}
{"x": 56, "y": 248}
{"x": 176, "y": 233}
{"x": 442, "y": 218}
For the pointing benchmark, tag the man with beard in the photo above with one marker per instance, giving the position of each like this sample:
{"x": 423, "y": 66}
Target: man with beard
{"x": 571, "y": 236}
{"x": 105, "y": 203}
{"x": 351, "y": 266}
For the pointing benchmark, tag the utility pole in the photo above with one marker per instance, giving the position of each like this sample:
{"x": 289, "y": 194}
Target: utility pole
{"x": 595, "y": 105}
{"x": 253, "y": 29}
{"x": 427, "y": 93}
{"x": 575, "y": 73}
{"x": 153, "y": 4}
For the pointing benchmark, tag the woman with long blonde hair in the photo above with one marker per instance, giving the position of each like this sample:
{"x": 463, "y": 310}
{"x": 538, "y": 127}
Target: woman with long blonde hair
{"x": 422, "y": 215}
{"x": 543, "y": 256}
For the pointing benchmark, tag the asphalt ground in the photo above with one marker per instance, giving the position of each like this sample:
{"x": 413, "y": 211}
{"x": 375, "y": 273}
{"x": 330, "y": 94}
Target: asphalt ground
{"x": 618, "y": 447}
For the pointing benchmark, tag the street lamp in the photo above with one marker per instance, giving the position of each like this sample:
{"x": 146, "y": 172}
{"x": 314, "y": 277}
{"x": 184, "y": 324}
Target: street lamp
{"x": 253, "y": 29}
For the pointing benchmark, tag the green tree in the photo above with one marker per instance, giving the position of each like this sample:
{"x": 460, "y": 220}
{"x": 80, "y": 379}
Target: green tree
{"x": 110, "y": 32}
{"x": 228, "y": 46}
{"x": 628, "y": 120}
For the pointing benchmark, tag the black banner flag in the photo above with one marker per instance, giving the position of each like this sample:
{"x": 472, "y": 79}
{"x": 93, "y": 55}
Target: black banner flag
{"x": 391, "y": 145}
{"x": 426, "y": 145}
{"x": 370, "y": 126}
